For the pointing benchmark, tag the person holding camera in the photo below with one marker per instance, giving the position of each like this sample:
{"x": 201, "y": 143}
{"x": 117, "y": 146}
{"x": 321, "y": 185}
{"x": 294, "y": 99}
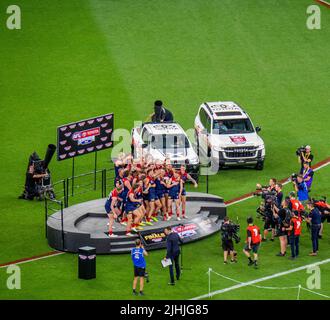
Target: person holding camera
{"x": 304, "y": 155}
{"x": 314, "y": 219}
{"x": 307, "y": 174}
{"x": 252, "y": 242}
{"x": 227, "y": 231}
{"x": 173, "y": 242}
{"x": 282, "y": 217}
{"x": 279, "y": 195}
{"x": 138, "y": 257}
{"x": 301, "y": 189}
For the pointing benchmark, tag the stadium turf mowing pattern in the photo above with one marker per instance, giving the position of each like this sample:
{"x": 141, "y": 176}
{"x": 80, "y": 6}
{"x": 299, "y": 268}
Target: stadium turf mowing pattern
{"x": 77, "y": 59}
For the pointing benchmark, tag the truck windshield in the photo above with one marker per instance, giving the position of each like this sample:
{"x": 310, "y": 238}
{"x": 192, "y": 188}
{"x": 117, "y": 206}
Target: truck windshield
{"x": 229, "y": 126}
{"x": 169, "y": 141}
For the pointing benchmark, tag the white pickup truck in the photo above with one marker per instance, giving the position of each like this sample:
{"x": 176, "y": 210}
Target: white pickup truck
{"x": 224, "y": 132}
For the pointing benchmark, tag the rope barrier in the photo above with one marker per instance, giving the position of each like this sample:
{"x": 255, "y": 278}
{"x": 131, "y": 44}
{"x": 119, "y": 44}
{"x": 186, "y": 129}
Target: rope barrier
{"x": 299, "y": 287}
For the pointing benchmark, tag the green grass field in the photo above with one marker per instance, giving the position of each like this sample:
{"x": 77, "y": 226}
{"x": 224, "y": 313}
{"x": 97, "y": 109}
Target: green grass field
{"x": 77, "y": 59}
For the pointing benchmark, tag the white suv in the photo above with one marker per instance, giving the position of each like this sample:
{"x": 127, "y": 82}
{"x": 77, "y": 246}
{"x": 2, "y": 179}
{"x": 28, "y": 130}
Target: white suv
{"x": 225, "y": 133}
{"x": 165, "y": 141}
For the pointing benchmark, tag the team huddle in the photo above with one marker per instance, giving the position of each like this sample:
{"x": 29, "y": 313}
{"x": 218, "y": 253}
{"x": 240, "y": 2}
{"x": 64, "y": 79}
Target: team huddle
{"x": 145, "y": 191}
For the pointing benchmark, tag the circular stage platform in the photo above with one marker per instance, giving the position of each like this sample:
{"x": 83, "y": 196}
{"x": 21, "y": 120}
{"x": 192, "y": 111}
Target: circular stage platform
{"x": 85, "y": 224}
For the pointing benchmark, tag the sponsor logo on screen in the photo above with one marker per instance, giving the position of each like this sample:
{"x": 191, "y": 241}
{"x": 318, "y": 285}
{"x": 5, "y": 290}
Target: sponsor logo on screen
{"x": 86, "y": 136}
{"x": 186, "y": 230}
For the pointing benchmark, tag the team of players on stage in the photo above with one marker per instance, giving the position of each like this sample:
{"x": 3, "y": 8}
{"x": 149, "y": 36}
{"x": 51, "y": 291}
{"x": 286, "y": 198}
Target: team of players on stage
{"x": 144, "y": 189}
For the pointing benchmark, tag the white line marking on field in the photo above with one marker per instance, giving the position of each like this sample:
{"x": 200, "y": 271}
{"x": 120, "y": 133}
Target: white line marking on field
{"x": 275, "y": 275}
{"x": 33, "y": 259}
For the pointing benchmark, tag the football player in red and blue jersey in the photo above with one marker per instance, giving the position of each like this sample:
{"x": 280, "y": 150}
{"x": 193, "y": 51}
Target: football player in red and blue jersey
{"x": 183, "y": 196}
{"x": 112, "y": 206}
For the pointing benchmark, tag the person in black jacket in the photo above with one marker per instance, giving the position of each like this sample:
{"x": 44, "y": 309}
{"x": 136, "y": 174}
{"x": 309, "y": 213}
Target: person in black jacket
{"x": 173, "y": 252}
{"x": 161, "y": 114}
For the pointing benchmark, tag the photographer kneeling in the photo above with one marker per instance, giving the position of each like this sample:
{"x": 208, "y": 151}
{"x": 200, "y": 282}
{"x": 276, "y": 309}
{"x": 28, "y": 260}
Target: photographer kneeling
{"x": 229, "y": 231}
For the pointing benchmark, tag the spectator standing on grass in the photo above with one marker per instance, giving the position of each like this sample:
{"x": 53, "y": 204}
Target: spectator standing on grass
{"x": 173, "y": 241}
{"x": 308, "y": 174}
{"x": 314, "y": 219}
{"x": 252, "y": 242}
{"x": 294, "y": 232}
{"x": 138, "y": 253}
{"x": 301, "y": 189}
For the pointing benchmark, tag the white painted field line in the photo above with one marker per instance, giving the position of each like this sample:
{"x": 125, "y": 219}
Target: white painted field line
{"x": 32, "y": 259}
{"x": 248, "y": 283}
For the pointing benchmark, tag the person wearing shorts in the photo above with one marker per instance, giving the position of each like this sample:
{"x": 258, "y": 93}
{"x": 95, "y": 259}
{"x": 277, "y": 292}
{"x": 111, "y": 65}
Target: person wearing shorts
{"x": 184, "y": 178}
{"x": 252, "y": 242}
{"x": 131, "y": 208}
{"x": 175, "y": 188}
{"x": 160, "y": 191}
{"x": 112, "y": 206}
{"x": 138, "y": 257}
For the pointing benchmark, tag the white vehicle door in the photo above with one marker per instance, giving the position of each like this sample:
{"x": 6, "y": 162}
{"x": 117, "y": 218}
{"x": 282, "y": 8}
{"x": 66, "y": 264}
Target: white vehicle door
{"x": 204, "y": 129}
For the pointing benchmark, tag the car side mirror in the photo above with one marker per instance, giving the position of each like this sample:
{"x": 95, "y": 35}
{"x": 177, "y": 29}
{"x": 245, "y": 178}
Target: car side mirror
{"x": 258, "y": 129}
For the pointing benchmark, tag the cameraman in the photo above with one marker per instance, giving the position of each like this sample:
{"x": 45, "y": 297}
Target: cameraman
{"x": 138, "y": 253}
{"x": 305, "y": 155}
{"x": 282, "y": 217}
{"x": 279, "y": 195}
{"x": 227, "y": 230}
{"x": 301, "y": 189}
{"x": 308, "y": 174}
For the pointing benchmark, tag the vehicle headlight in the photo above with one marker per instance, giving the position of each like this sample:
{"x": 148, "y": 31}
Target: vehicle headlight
{"x": 261, "y": 147}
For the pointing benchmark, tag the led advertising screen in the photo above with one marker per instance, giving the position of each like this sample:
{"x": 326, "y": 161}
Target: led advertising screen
{"x": 85, "y": 136}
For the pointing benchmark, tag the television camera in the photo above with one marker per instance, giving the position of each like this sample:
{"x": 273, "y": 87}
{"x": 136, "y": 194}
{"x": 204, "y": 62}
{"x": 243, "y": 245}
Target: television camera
{"x": 230, "y": 231}
{"x": 265, "y": 209}
{"x": 38, "y": 177}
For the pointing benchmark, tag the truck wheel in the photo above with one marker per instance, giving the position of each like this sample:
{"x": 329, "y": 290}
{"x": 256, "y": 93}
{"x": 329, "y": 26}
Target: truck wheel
{"x": 260, "y": 165}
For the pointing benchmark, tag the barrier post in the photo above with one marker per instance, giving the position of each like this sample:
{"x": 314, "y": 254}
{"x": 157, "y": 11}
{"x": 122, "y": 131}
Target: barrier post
{"x": 64, "y": 192}
{"x": 105, "y": 182}
{"x": 46, "y": 216}
{"x": 62, "y": 226}
{"x": 67, "y": 193}
{"x": 72, "y": 186}
{"x": 95, "y": 168}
